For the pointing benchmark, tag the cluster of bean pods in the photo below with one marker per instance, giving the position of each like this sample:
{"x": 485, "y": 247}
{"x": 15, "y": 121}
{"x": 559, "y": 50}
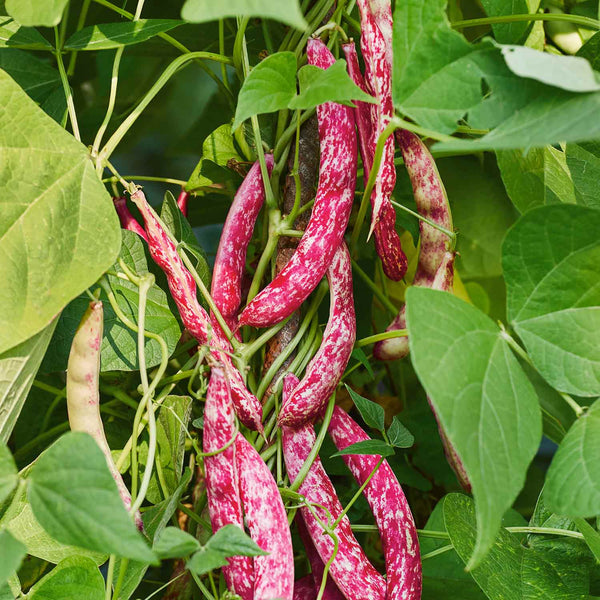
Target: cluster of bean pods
{"x": 241, "y": 489}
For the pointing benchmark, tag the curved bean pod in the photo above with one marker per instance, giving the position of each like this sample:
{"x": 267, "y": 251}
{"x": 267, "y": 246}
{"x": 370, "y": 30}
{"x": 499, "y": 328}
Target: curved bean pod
{"x": 330, "y": 213}
{"x": 182, "y": 202}
{"x": 83, "y": 395}
{"x": 126, "y": 219}
{"x": 304, "y": 588}
{"x": 195, "y": 319}
{"x": 390, "y": 509}
{"x": 222, "y": 482}
{"x": 230, "y": 261}
{"x": 327, "y": 366}
{"x": 351, "y": 570}
{"x": 267, "y": 523}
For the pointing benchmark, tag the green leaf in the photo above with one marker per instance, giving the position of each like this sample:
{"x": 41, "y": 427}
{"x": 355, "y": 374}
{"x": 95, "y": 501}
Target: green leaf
{"x": 74, "y": 577}
{"x": 269, "y": 87}
{"x": 537, "y": 177}
{"x": 583, "y": 161}
{"x": 327, "y": 85}
{"x": 483, "y": 400}
{"x": 33, "y": 13}
{"x": 570, "y": 73}
{"x": 175, "y": 543}
{"x": 399, "y": 436}
{"x": 507, "y": 33}
{"x": 115, "y": 35}
{"x": 361, "y": 357}
{"x": 286, "y": 11}
{"x": 592, "y": 537}
{"x": 217, "y": 148}
{"x": 511, "y": 570}
{"x": 550, "y": 260}
{"x": 34, "y": 76}
{"x": 591, "y": 51}
{"x": 76, "y": 500}
{"x": 119, "y": 343}
{"x": 59, "y": 230}
{"x": 368, "y": 447}
{"x": 206, "y": 560}
{"x": 572, "y": 482}
{"x": 373, "y": 414}
{"x": 18, "y": 367}
{"x": 14, "y": 35}
{"x": 8, "y": 473}
{"x": 12, "y": 552}
{"x": 231, "y": 540}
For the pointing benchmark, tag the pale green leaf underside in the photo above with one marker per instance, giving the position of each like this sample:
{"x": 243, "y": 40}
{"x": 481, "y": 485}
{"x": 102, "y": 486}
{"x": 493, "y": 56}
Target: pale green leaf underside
{"x": 33, "y": 13}
{"x": 59, "y": 231}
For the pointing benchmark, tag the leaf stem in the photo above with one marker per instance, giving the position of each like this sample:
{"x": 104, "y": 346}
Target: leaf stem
{"x": 145, "y": 178}
{"x": 67, "y": 88}
{"x": 437, "y": 551}
{"x": 80, "y": 23}
{"x": 450, "y": 234}
{"x": 387, "y": 303}
{"x": 586, "y": 22}
{"x": 378, "y": 337}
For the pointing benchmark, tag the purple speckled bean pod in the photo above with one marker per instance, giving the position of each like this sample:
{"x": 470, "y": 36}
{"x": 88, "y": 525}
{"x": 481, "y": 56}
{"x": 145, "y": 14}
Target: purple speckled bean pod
{"x": 195, "y": 319}
{"x": 390, "y": 509}
{"x": 83, "y": 395}
{"x": 327, "y": 366}
{"x": 267, "y": 523}
{"x": 432, "y": 203}
{"x": 304, "y": 588}
{"x": 330, "y": 213}
{"x": 351, "y": 570}
{"x": 230, "y": 261}
{"x": 376, "y": 52}
{"x": 126, "y": 219}
{"x": 331, "y": 591}
{"x": 222, "y": 482}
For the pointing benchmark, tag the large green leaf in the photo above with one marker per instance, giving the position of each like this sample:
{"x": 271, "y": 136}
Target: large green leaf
{"x": 268, "y": 88}
{"x": 13, "y": 35}
{"x": 551, "y": 261}
{"x": 573, "y": 481}
{"x": 31, "y": 13}
{"x": 119, "y": 344}
{"x": 286, "y": 11}
{"x": 510, "y": 570}
{"x": 74, "y": 577}
{"x": 507, "y": 33}
{"x": 537, "y": 177}
{"x": 59, "y": 231}
{"x": 482, "y": 398}
{"x": 34, "y": 76}
{"x": 114, "y": 35}
{"x": 18, "y": 367}
{"x": 12, "y": 553}
{"x": 8, "y": 473}
{"x": 583, "y": 161}
{"x": 76, "y": 500}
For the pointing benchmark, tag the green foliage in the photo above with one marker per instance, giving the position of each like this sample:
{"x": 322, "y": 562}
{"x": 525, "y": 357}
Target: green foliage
{"x": 32, "y": 13}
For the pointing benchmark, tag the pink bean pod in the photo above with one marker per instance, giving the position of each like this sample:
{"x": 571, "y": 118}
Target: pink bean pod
{"x": 83, "y": 395}
{"x": 351, "y": 570}
{"x": 182, "y": 202}
{"x": 432, "y": 203}
{"x": 195, "y": 319}
{"x": 331, "y": 591}
{"x": 378, "y": 77}
{"x": 267, "y": 523}
{"x": 222, "y": 481}
{"x": 230, "y": 261}
{"x": 325, "y": 370}
{"x": 304, "y": 588}
{"x": 390, "y": 509}
{"x": 330, "y": 213}
{"x": 126, "y": 219}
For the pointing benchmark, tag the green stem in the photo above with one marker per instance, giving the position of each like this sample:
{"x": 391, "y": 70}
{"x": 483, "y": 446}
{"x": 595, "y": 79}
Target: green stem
{"x": 248, "y": 350}
{"x": 266, "y": 256}
{"x": 80, "y": 23}
{"x": 437, "y": 551}
{"x": 173, "y": 67}
{"x": 387, "y": 303}
{"x": 202, "y": 587}
{"x": 49, "y": 388}
{"x": 121, "y": 577}
{"x": 586, "y": 22}
{"x": 450, "y": 234}
{"x": 287, "y": 135}
{"x": 547, "y": 531}
{"x": 66, "y": 87}
{"x": 109, "y": 577}
{"x": 145, "y": 178}
{"x": 378, "y": 337}
{"x": 314, "y": 452}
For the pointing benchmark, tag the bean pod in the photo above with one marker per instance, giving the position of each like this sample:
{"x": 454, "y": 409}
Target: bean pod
{"x": 222, "y": 481}
{"x": 390, "y": 509}
{"x": 267, "y": 523}
{"x": 83, "y": 395}
{"x": 327, "y": 366}
{"x": 230, "y": 260}
{"x": 126, "y": 219}
{"x": 330, "y": 214}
